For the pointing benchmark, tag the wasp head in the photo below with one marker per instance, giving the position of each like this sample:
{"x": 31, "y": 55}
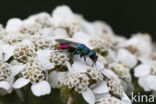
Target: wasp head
{"x": 93, "y": 56}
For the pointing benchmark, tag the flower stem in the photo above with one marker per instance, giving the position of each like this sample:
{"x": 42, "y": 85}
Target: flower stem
{"x": 70, "y": 100}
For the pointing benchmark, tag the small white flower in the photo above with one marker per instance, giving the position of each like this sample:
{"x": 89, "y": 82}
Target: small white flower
{"x": 81, "y": 76}
{"x": 142, "y": 70}
{"x": 95, "y": 73}
{"x": 43, "y": 19}
{"x": 23, "y": 52}
{"x": 117, "y": 41}
{"x": 35, "y": 73}
{"x": 99, "y": 43}
{"x": 115, "y": 87}
{"x": 124, "y": 75}
{"x": 137, "y": 45}
{"x": 126, "y": 58}
{"x": 13, "y": 25}
{"x": 13, "y": 39}
{"x": 60, "y": 33}
{"x": 115, "y": 84}
{"x": 78, "y": 81}
{"x": 58, "y": 58}
{"x": 42, "y": 43}
{"x": 81, "y": 37}
{"x": 29, "y": 29}
{"x": 64, "y": 18}
{"x": 89, "y": 28}
{"x": 6, "y": 77}
{"x": 103, "y": 28}
{"x": 121, "y": 70}
{"x": 147, "y": 76}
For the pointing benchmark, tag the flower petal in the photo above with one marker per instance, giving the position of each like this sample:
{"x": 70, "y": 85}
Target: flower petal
{"x": 41, "y": 88}
{"x": 111, "y": 57}
{"x": 126, "y": 58}
{"x": 101, "y": 88}
{"x": 125, "y": 99}
{"x": 43, "y": 58}
{"x": 152, "y": 82}
{"x": 5, "y": 85}
{"x": 89, "y": 96}
{"x": 8, "y": 51}
{"x": 13, "y": 24}
{"x": 99, "y": 65}
{"x": 21, "y": 82}
{"x": 79, "y": 67}
{"x": 143, "y": 83}
{"x": 15, "y": 69}
{"x": 78, "y": 58}
{"x": 102, "y": 26}
{"x": 89, "y": 28}
{"x": 11, "y": 79}
{"x": 55, "y": 77}
{"x": 69, "y": 67}
{"x": 142, "y": 70}
{"x": 109, "y": 73}
{"x": 80, "y": 37}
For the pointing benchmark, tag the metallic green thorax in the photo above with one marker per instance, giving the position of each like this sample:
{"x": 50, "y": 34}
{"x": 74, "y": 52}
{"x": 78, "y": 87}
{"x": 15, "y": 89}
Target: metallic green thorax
{"x": 82, "y": 49}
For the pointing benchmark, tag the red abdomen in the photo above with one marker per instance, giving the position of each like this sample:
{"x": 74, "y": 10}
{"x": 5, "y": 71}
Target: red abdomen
{"x": 63, "y": 46}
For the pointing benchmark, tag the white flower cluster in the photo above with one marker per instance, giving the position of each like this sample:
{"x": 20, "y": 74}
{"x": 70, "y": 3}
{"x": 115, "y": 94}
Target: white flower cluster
{"x": 23, "y": 52}
{"x": 95, "y": 74}
{"x": 29, "y": 54}
{"x": 115, "y": 87}
{"x": 41, "y": 43}
{"x": 58, "y": 58}
{"x": 34, "y": 71}
{"x": 100, "y": 44}
{"x": 4, "y": 72}
{"x": 121, "y": 71}
{"x": 146, "y": 72}
{"x": 79, "y": 81}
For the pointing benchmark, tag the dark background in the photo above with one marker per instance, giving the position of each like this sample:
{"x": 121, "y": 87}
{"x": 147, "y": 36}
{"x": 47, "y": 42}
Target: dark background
{"x": 124, "y": 16}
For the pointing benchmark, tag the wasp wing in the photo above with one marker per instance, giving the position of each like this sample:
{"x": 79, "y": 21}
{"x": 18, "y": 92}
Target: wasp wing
{"x": 67, "y": 42}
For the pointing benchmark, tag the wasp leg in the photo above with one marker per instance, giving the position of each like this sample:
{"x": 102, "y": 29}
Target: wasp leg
{"x": 81, "y": 55}
{"x": 85, "y": 58}
{"x": 93, "y": 64}
{"x": 72, "y": 55}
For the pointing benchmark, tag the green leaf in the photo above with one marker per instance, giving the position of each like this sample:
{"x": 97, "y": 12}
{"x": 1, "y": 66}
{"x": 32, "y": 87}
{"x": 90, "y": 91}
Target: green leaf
{"x": 79, "y": 100}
